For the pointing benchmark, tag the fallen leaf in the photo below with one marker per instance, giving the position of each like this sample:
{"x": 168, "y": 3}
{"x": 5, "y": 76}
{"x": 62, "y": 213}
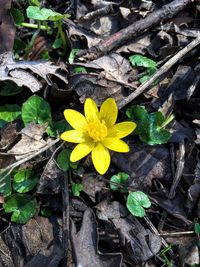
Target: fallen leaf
{"x": 18, "y": 72}
{"x": 86, "y": 252}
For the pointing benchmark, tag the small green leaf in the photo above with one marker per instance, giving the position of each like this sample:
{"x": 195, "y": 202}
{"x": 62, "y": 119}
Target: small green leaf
{"x": 10, "y": 89}
{"x": 141, "y": 61}
{"x": 5, "y": 184}
{"x": 72, "y": 55}
{"x": 120, "y": 179}
{"x": 150, "y": 127}
{"x": 36, "y": 109}
{"x": 9, "y": 112}
{"x": 34, "y": 12}
{"x": 22, "y": 206}
{"x": 80, "y": 69}
{"x": 57, "y": 43}
{"x": 17, "y": 16}
{"x": 45, "y": 212}
{"x": 34, "y": 2}
{"x": 23, "y": 181}
{"x": 136, "y": 202}
{"x": 58, "y": 127}
{"x": 76, "y": 189}
{"x": 197, "y": 228}
{"x": 63, "y": 160}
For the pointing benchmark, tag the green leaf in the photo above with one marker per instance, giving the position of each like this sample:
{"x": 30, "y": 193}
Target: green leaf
{"x": 120, "y": 179}
{"x": 63, "y": 160}
{"x": 80, "y": 69}
{"x": 22, "y": 206}
{"x": 45, "y": 212}
{"x": 10, "y": 89}
{"x": 17, "y": 16}
{"x": 197, "y": 228}
{"x": 36, "y": 109}
{"x": 9, "y": 112}
{"x": 23, "y": 181}
{"x": 72, "y": 55}
{"x": 34, "y": 12}
{"x": 58, "y": 127}
{"x": 76, "y": 189}
{"x": 57, "y": 43}
{"x": 5, "y": 184}
{"x": 149, "y": 126}
{"x": 136, "y": 202}
{"x": 141, "y": 61}
{"x": 34, "y": 2}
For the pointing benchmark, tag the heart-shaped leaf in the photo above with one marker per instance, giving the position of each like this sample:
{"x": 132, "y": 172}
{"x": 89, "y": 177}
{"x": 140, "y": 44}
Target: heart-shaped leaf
{"x": 24, "y": 181}
{"x": 22, "y": 206}
{"x": 36, "y": 109}
{"x": 136, "y": 202}
{"x": 150, "y": 127}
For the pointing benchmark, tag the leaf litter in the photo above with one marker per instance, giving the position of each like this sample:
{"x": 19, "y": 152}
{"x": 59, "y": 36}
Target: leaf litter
{"x": 144, "y": 54}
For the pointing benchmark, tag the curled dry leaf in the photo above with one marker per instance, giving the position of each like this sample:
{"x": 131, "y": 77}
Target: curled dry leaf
{"x": 20, "y": 72}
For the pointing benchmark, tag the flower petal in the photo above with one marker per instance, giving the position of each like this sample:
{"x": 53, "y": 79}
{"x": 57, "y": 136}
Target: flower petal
{"x": 122, "y": 129}
{"x": 81, "y": 150}
{"x": 91, "y": 110}
{"x": 74, "y": 136}
{"x": 115, "y": 144}
{"x": 75, "y": 119}
{"x": 101, "y": 158}
{"x": 109, "y": 112}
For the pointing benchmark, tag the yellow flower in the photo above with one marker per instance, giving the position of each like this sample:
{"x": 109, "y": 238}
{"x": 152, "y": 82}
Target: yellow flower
{"x": 97, "y": 132}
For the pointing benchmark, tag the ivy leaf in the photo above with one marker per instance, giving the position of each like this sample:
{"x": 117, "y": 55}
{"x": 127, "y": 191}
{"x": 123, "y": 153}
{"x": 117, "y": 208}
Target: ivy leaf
{"x": 22, "y": 206}
{"x": 9, "y": 112}
{"x": 23, "y": 181}
{"x": 120, "y": 179}
{"x": 63, "y": 160}
{"x": 136, "y": 202}
{"x": 76, "y": 189}
{"x": 141, "y": 61}
{"x": 36, "y": 109}
{"x": 34, "y": 12}
{"x": 150, "y": 126}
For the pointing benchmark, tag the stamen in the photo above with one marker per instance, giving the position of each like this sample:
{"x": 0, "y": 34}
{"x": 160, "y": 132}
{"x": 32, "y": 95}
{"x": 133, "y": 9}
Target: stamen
{"x": 97, "y": 130}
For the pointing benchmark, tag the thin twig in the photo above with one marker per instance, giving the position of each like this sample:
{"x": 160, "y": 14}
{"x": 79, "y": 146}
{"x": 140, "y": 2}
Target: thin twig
{"x": 9, "y": 168}
{"x": 171, "y": 62}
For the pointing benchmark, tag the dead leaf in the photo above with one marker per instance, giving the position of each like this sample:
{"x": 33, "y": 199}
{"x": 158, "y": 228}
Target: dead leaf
{"x": 51, "y": 179}
{"x": 144, "y": 163}
{"x": 36, "y": 244}
{"x": 31, "y": 140}
{"x": 141, "y": 244}
{"x": 17, "y": 72}
{"x": 85, "y": 242}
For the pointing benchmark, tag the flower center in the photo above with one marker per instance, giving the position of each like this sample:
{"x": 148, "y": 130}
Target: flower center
{"x": 97, "y": 130}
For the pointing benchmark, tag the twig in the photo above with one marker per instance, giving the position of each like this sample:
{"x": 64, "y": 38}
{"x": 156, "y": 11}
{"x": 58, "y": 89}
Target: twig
{"x": 155, "y": 231}
{"x": 172, "y": 61}
{"x": 179, "y": 170}
{"x": 9, "y": 168}
{"x": 121, "y": 37}
{"x": 65, "y": 224}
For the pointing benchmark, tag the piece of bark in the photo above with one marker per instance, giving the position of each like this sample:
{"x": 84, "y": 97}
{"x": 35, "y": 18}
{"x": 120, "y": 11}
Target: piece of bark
{"x": 121, "y": 37}
{"x": 7, "y": 27}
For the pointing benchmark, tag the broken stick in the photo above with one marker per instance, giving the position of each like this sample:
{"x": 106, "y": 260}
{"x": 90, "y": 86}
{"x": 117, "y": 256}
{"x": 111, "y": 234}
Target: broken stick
{"x": 173, "y": 60}
{"x": 121, "y": 37}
